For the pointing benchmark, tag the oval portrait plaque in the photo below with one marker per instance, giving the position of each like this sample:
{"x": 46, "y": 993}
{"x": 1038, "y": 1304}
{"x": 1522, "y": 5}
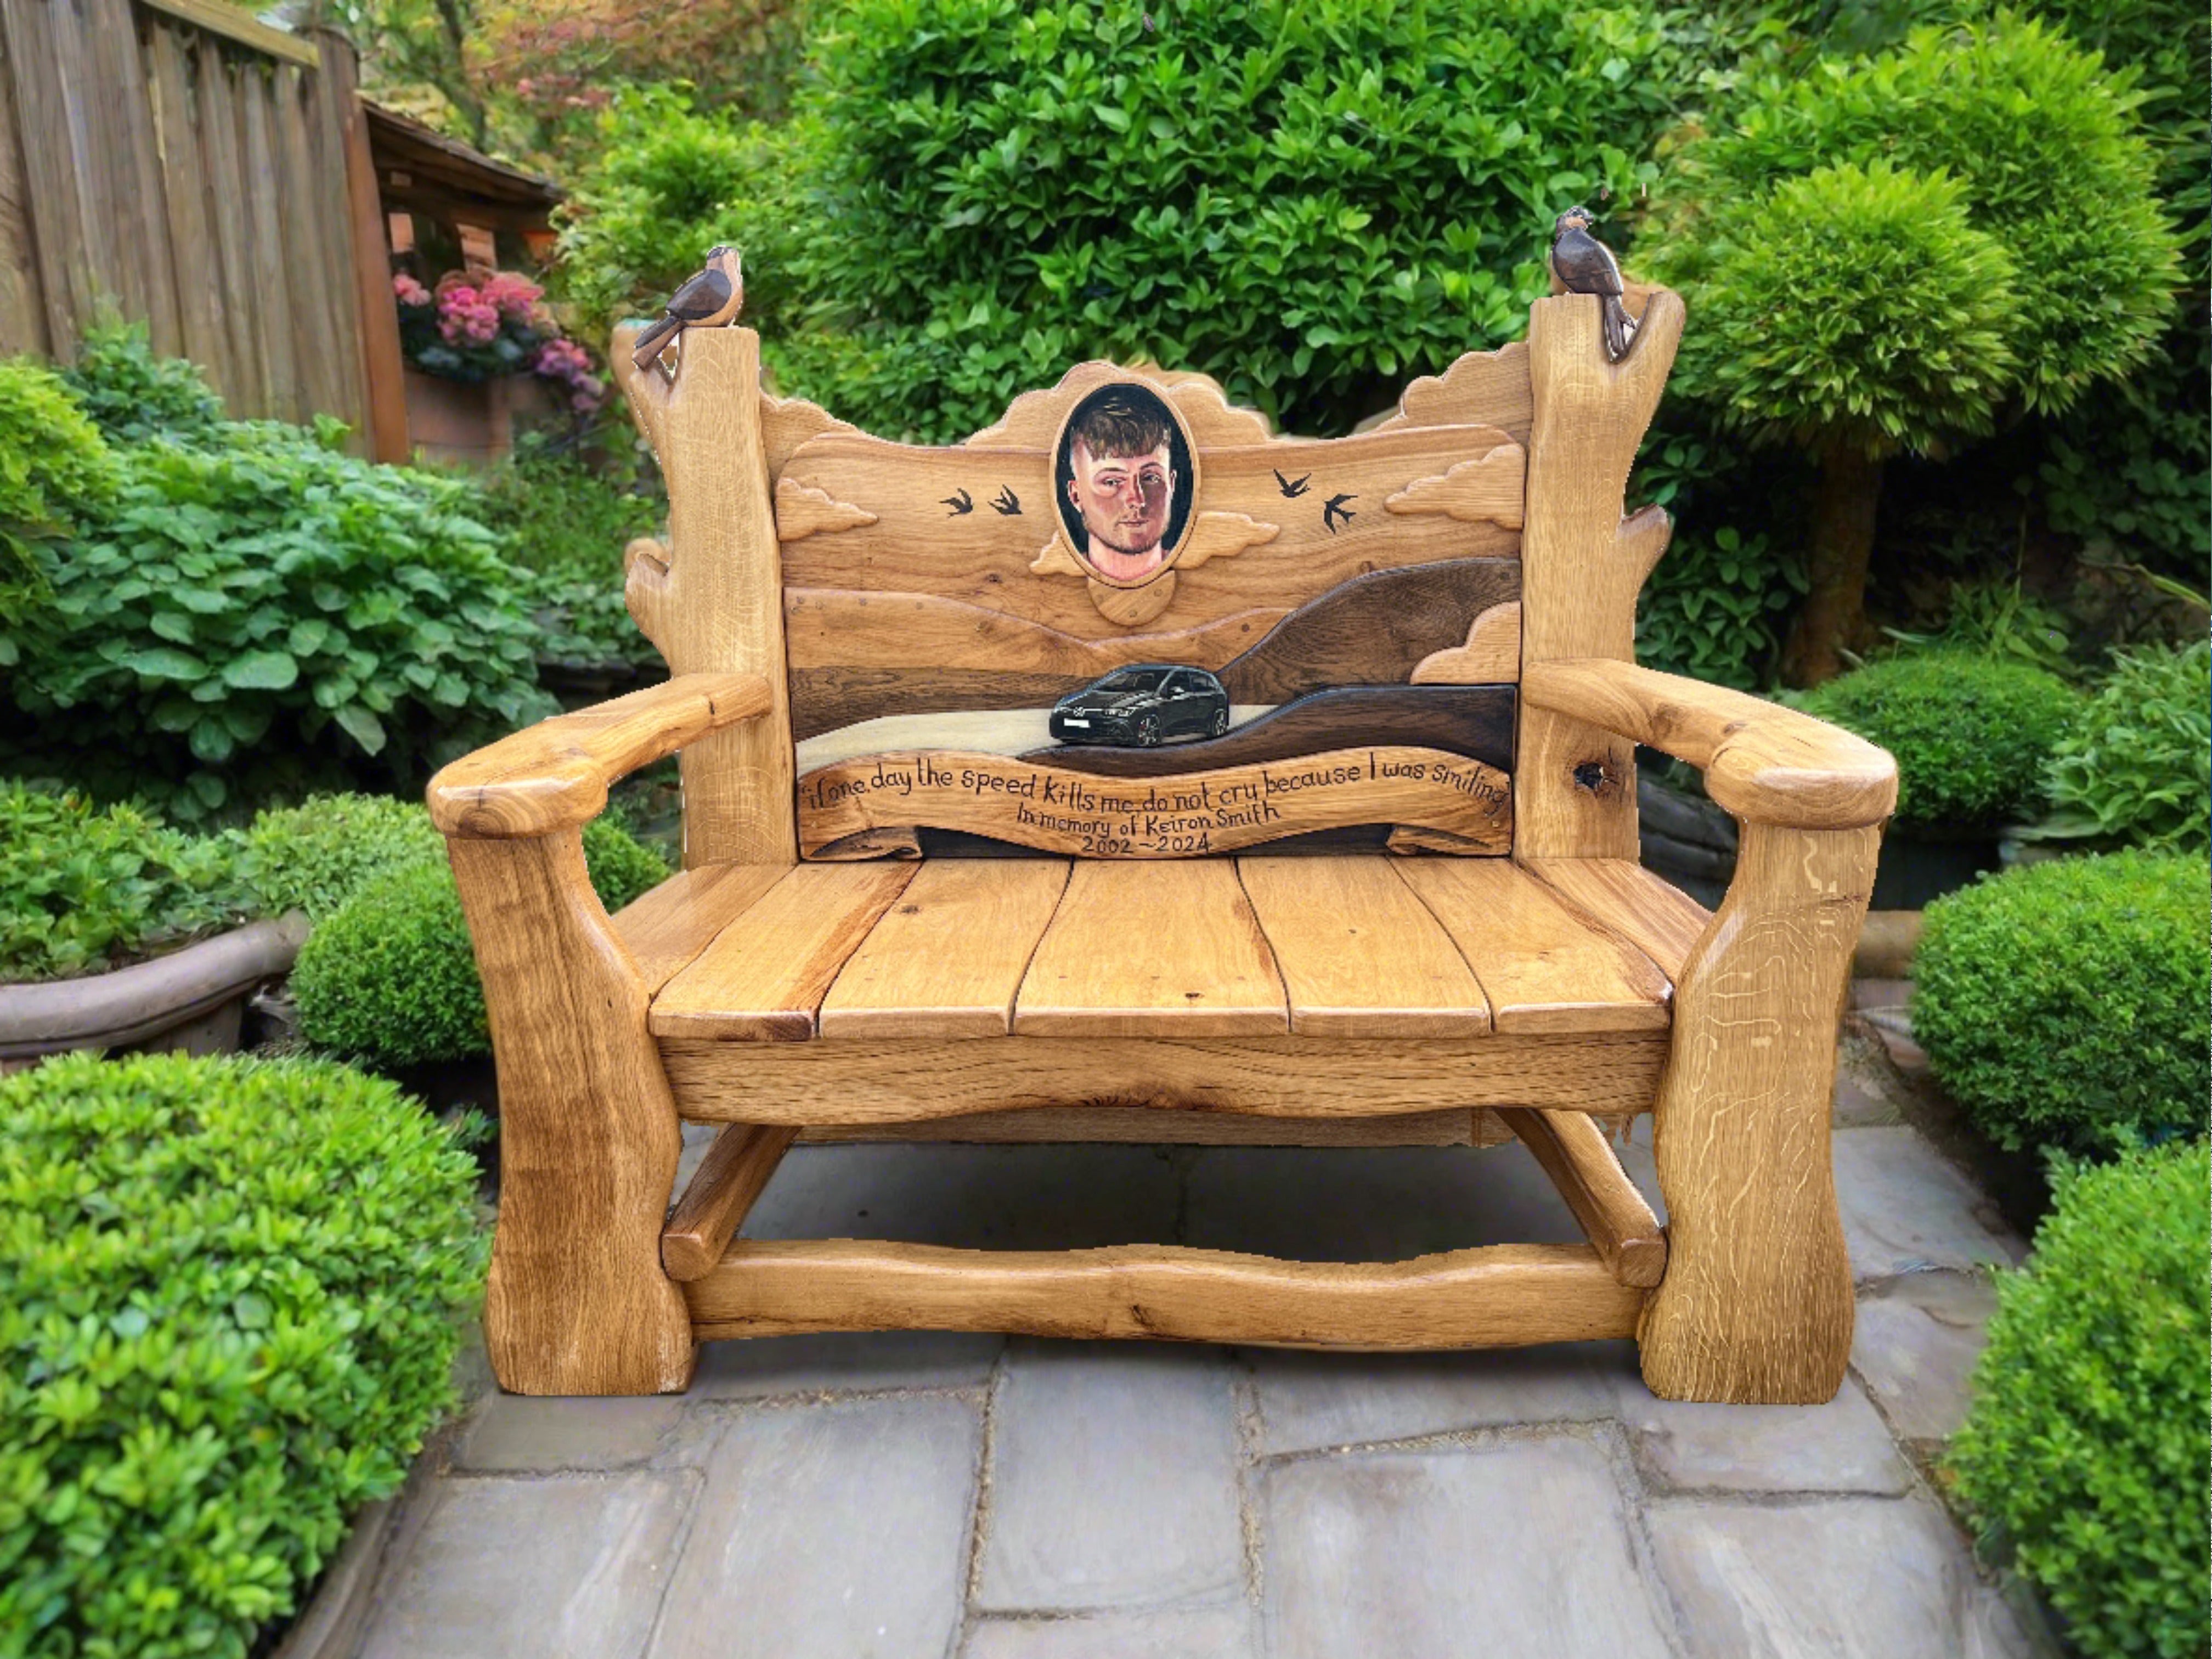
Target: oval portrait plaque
{"x": 1124, "y": 477}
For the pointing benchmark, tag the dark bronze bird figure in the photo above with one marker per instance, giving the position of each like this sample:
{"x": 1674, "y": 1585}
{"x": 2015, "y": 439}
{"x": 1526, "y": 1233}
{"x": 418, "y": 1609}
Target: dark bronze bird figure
{"x": 1585, "y": 265}
{"x": 708, "y": 300}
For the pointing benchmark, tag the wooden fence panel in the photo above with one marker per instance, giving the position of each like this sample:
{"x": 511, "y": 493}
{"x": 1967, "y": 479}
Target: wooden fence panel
{"x": 180, "y": 164}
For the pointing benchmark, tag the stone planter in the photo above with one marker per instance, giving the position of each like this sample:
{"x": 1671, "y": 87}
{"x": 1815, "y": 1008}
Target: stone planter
{"x": 1916, "y": 868}
{"x": 191, "y": 1000}
{"x": 457, "y": 424}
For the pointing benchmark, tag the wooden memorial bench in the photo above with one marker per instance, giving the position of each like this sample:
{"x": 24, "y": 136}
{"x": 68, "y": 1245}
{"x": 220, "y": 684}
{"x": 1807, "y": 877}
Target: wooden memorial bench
{"x": 1346, "y": 852}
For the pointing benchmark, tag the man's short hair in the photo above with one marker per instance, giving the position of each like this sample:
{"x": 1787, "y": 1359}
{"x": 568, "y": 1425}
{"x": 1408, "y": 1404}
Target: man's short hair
{"x": 1122, "y": 426}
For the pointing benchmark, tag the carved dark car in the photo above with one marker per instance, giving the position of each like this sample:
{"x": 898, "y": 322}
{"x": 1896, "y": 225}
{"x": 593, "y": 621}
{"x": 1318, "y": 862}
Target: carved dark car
{"x": 1144, "y": 704}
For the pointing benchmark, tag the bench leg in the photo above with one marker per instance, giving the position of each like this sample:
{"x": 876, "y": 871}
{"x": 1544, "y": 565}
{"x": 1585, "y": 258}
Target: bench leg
{"x": 1756, "y": 1305}
{"x": 589, "y": 1139}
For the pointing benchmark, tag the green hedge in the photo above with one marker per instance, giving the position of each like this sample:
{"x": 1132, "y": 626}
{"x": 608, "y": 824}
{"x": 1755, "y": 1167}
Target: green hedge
{"x": 2065, "y": 1003}
{"x": 1973, "y": 735}
{"x": 233, "y": 1305}
{"x": 391, "y": 978}
{"x": 2084, "y": 1448}
{"x": 314, "y": 856}
{"x": 55, "y": 467}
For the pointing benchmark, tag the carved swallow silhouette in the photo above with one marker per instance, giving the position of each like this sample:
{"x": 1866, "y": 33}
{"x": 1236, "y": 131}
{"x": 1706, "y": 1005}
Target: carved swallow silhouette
{"x": 960, "y": 502}
{"x": 1291, "y": 487}
{"x": 1005, "y": 504}
{"x": 1334, "y": 508}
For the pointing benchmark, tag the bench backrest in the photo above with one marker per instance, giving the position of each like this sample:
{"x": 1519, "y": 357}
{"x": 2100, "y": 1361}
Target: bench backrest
{"x": 1259, "y": 639}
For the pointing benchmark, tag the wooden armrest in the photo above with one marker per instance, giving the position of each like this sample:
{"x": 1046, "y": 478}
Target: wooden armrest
{"x": 1765, "y": 763}
{"x": 554, "y": 776}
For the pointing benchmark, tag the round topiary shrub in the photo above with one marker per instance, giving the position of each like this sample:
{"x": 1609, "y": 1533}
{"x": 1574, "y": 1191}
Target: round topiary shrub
{"x": 391, "y": 977}
{"x": 314, "y": 856}
{"x": 2065, "y": 1003}
{"x": 2084, "y": 1448}
{"x": 235, "y": 1293}
{"x": 1973, "y": 735}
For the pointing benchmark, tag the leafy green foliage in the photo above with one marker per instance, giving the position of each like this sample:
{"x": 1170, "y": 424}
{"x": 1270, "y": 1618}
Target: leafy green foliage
{"x": 2085, "y": 1444}
{"x": 83, "y": 888}
{"x": 314, "y": 856}
{"x": 54, "y": 468}
{"x": 1715, "y": 608}
{"x": 1973, "y": 735}
{"x": 390, "y": 979}
{"x": 2043, "y": 157}
{"x": 2137, "y": 764}
{"x": 1859, "y": 308}
{"x": 2064, "y": 1003}
{"x": 133, "y": 395}
{"x": 1310, "y": 202}
{"x": 260, "y": 615}
{"x": 233, "y": 1295}
{"x": 565, "y": 523}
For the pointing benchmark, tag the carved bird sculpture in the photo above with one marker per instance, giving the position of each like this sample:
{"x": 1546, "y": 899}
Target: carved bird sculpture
{"x": 708, "y": 300}
{"x": 1585, "y": 265}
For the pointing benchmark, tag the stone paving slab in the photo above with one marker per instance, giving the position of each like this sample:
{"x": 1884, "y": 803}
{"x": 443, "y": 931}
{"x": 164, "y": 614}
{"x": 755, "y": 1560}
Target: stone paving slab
{"x": 514, "y": 1569}
{"x": 1113, "y": 1478}
{"x": 1310, "y": 1401}
{"x": 758, "y": 1368}
{"x": 1857, "y": 1579}
{"x": 838, "y": 1530}
{"x": 1906, "y": 1208}
{"x": 1840, "y": 1447}
{"x": 1520, "y": 1549}
{"x": 1224, "y": 1630}
{"x": 511, "y": 1432}
{"x": 1915, "y": 1348}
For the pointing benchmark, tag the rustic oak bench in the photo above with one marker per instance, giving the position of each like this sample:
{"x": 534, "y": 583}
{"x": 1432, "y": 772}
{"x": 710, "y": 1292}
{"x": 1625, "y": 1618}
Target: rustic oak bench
{"x": 1339, "y": 848}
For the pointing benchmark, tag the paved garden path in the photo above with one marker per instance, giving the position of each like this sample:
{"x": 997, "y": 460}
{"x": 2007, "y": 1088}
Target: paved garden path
{"x": 941, "y": 1497}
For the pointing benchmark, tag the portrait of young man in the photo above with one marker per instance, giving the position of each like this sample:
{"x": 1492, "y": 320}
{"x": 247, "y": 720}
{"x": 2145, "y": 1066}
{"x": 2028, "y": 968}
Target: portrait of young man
{"x": 1124, "y": 470}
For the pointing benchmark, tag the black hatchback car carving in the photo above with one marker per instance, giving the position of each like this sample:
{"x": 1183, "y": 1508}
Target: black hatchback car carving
{"x": 1144, "y": 704}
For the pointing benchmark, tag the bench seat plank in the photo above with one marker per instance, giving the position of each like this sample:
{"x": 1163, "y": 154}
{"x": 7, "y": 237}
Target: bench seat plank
{"x": 668, "y": 927}
{"x": 764, "y": 975}
{"x": 947, "y": 958}
{"x": 1656, "y": 917}
{"x": 1152, "y": 950}
{"x": 1544, "y": 967}
{"x": 1361, "y": 955}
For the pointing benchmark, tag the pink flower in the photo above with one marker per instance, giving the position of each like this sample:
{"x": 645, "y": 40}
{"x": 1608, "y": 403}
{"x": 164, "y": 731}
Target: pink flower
{"x": 515, "y": 296}
{"x": 407, "y": 291}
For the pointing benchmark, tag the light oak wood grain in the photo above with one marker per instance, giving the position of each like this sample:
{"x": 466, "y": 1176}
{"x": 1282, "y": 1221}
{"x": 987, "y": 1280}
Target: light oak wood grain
{"x": 1491, "y": 655}
{"x": 1169, "y": 950}
{"x": 1135, "y": 1124}
{"x": 667, "y": 928}
{"x": 589, "y": 1140}
{"x": 1579, "y": 780}
{"x": 729, "y": 1181}
{"x": 1762, "y": 762}
{"x": 1497, "y": 1296}
{"x": 1360, "y": 956}
{"x": 1184, "y": 815}
{"x": 1542, "y": 966}
{"x": 1490, "y": 486}
{"x": 1574, "y": 1152}
{"x": 1482, "y": 388}
{"x": 716, "y": 606}
{"x": 1034, "y": 420}
{"x": 554, "y": 776}
{"x": 948, "y": 956}
{"x": 765, "y": 975}
{"x": 1658, "y": 919}
{"x": 857, "y": 1083}
{"x": 1757, "y": 1301}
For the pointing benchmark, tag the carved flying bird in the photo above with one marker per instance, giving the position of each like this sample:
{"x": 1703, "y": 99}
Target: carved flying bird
{"x": 1334, "y": 508}
{"x": 1585, "y": 265}
{"x": 1293, "y": 488}
{"x": 1005, "y": 504}
{"x": 708, "y": 300}
{"x": 960, "y": 502}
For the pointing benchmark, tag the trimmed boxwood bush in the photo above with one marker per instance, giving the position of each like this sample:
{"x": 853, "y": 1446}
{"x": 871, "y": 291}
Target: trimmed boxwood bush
{"x": 233, "y": 1303}
{"x": 1973, "y": 735}
{"x": 2065, "y": 1003}
{"x": 391, "y": 977}
{"x": 314, "y": 856}
{"x": 2084, "y": 1448}
{"x": 2137, "y": 765}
